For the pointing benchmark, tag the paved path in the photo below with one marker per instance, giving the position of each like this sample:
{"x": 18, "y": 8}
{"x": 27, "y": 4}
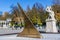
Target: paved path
{"x": 44, "y": 35}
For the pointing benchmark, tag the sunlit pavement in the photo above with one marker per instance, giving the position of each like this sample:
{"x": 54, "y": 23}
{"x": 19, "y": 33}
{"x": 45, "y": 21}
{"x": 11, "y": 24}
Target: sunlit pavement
{"x": 44, "y": 37}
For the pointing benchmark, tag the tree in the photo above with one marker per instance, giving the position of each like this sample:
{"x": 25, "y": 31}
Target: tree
{"x": 56, "y": 6}
{"x": 5, "y": 15}
{"x": 35, "y": 14}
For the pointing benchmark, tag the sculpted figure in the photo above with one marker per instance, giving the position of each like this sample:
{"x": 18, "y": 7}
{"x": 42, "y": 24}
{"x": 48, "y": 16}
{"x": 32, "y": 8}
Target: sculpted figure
{"x": 51, "y": 12}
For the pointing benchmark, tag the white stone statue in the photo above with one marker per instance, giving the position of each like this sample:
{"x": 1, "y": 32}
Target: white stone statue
{"x": 50, "y": 21}
{"x": 51, "y": 13}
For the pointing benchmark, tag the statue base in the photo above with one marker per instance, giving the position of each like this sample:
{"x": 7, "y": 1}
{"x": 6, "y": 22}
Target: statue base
{"x": 51, "y": 25}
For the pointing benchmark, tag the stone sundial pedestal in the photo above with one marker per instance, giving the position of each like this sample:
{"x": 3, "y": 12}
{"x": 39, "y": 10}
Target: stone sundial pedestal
{"x": 51, "y": 21}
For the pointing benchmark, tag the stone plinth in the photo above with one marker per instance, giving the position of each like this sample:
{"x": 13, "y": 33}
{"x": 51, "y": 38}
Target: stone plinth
{"x": 51, "y": 25}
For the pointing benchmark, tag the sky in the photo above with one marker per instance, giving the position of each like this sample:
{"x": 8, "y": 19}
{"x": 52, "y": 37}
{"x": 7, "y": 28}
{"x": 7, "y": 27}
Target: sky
{"x": 5, "y": 5}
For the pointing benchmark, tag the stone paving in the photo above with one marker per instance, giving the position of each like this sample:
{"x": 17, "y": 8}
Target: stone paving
{"x": 44, "y": 37}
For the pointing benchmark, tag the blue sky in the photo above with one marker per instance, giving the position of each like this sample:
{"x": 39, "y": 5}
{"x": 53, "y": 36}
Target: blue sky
{"x": 5, "y": 4}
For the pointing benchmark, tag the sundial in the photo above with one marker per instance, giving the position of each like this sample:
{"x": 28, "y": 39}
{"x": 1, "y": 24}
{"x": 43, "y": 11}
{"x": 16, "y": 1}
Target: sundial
{"x": 29, "y": 29}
